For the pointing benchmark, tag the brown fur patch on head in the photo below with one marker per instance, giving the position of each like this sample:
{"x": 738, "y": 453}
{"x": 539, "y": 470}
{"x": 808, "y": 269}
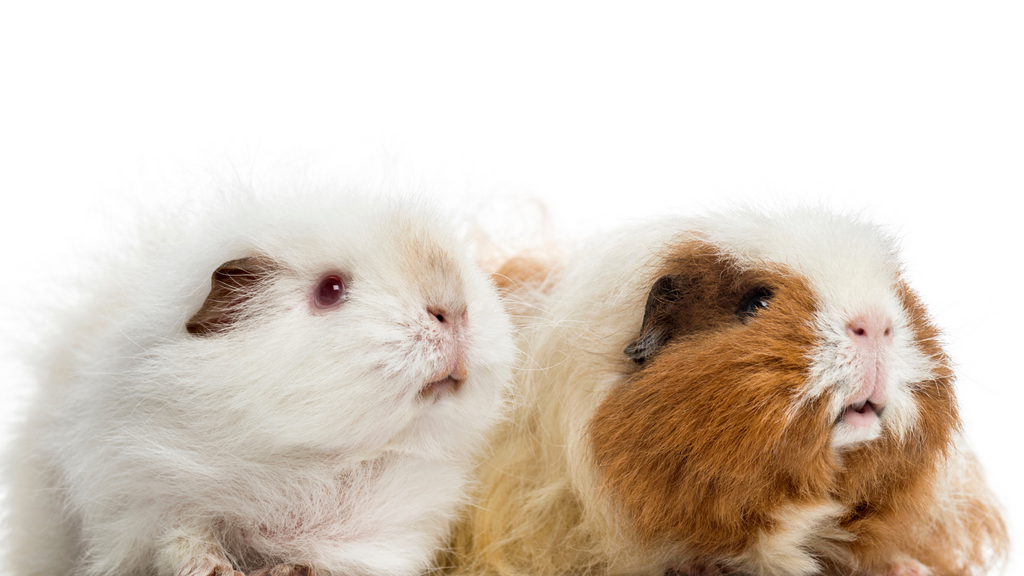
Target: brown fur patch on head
{"x": 232, "y": 285}
{"x": 701, "y": 446}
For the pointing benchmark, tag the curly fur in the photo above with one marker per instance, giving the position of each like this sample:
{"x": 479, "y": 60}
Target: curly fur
{"x": 661, "y": 430}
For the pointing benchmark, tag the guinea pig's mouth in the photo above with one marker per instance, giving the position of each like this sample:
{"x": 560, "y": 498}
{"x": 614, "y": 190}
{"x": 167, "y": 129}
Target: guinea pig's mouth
{"x": 862, "y": 414}
{"x": 448, "y": 384}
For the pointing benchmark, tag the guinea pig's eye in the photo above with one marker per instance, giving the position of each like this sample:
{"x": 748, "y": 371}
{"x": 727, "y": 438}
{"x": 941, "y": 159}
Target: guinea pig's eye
{"x": 752, "y": 302}
{"x": 329, "y": 292}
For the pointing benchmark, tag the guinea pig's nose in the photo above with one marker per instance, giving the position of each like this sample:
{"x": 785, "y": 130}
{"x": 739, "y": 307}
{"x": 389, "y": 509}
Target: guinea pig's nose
{"x": 446, "y": 318}
{"x": 870, "y": 329}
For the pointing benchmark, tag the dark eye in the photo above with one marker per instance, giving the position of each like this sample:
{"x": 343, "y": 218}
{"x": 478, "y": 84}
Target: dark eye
{"x": 752, "y": 302}
{"x": 329, "y": 292}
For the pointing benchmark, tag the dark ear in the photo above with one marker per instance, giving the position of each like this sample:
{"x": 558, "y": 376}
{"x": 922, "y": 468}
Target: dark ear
{"x": 660, "y": 318}
{"x": 233, "y": 284}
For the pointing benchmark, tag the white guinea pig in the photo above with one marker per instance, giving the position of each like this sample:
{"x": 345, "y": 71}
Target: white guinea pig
{"x": 741, "y": 393}
{"x": 312, "y": 409}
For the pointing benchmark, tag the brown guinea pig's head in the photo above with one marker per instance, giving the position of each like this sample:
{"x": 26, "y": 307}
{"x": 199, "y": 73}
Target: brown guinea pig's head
{"x": 787, "y": 388}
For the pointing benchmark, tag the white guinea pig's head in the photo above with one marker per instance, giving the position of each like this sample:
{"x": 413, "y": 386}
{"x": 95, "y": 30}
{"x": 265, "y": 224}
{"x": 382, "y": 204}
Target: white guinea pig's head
{"x": 352, "y": 325}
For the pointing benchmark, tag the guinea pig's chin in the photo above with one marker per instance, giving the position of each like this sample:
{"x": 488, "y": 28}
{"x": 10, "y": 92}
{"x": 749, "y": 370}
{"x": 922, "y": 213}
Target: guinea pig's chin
{"x": 855, "y": 427}
{"x": 440, "y": 388}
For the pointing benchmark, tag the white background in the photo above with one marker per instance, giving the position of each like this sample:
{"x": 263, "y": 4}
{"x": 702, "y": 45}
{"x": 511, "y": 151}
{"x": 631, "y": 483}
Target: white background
{"x": 912, "y": 114}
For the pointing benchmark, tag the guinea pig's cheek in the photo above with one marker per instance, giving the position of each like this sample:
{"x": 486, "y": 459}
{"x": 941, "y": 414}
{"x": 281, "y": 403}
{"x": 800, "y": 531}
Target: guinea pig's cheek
{"x": 710, "y": 430}
{"x": 686, "y": 449}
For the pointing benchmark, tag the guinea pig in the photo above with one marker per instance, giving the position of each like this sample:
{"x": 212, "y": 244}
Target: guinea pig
{"x": 738, "y": 393}
{"x": 290, "y": 386}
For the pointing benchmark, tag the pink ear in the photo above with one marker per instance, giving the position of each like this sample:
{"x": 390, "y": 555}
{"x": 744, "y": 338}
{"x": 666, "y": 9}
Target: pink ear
{"x": 233, "y": 284}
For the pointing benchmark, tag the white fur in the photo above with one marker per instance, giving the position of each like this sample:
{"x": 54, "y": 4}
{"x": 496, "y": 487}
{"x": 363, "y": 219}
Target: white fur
{"x": 294, "y": 437}
{"x": 788, "y": 550}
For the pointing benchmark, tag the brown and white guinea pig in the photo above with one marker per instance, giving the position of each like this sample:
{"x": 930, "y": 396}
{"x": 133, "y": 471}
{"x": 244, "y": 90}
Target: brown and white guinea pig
{"x": 742, "y": 393}
{"x": 290, "y": 386}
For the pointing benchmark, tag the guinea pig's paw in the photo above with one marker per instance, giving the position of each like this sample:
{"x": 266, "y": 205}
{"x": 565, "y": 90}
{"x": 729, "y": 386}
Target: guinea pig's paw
{"x": 208, "y": 566}
{"x": 906, "y": 567}
{"x": 285, "y": 570}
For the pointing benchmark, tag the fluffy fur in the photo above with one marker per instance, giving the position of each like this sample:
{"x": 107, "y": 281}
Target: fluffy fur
{"x": 192, "y": 427}
{"x": 742, "y": 393}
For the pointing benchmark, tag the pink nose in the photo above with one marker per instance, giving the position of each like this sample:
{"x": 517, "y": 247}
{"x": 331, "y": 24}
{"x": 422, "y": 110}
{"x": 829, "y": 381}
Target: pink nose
{"x": 447, "y": 318}
{"x": 870, "y": 329}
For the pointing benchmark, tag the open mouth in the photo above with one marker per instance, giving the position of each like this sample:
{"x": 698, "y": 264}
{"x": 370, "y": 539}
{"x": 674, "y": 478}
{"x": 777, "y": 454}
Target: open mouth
{"x": 862, "y": 414}
{"x": 444, "y": 385}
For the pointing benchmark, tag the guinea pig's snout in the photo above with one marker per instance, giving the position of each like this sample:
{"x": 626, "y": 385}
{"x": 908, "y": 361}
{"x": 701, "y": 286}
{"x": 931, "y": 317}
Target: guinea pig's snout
{"x": 873, "y": 330}
{"x": 448, "y": 318}
{"x": 451, "y": 376}
{"x": 872, "y": 339}
{"x": 871, "y": 336}
{"x": 447, "y": 338}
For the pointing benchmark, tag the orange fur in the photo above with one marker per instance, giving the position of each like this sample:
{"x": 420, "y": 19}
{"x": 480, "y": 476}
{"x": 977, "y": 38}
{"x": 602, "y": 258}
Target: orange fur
{"x": 519, "y": 272}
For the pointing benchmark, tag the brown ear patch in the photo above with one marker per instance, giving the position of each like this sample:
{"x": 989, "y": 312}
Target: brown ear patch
{"x": 701, "y": 447}
{"x": 661, "y": 319}
{"x": 701, "y": 291}
{"x": 519, "y": 272}
{"x": 232, "y": 286}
